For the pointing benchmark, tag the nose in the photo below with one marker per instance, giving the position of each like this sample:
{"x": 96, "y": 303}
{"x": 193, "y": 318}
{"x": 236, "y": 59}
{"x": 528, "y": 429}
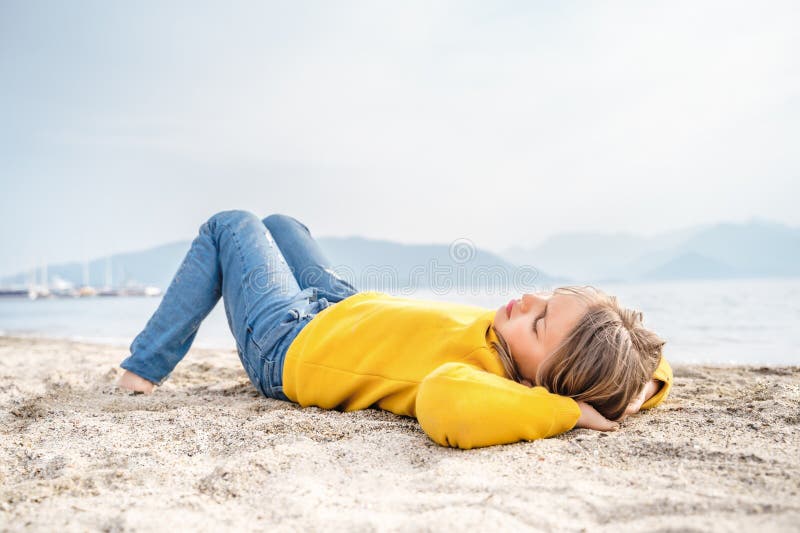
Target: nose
{"x": 530, "y": 300}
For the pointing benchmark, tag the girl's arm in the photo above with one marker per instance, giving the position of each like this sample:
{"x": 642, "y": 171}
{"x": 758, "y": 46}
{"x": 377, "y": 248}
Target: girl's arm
{"x": 463, "y": 406}
{"x": 592, "y": 419}
{"x": 660, "y": 385}
{"x": 654, "y": 392}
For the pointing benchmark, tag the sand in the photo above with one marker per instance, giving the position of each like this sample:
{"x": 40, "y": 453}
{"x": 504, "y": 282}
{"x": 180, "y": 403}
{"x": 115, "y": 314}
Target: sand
{"x": 206, "y": 452}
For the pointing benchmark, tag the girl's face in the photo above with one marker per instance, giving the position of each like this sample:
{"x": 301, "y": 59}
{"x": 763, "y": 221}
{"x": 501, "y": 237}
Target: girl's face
{"x": 535, "y": 325}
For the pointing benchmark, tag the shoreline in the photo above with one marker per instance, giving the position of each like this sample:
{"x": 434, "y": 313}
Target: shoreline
{"x": 206, "y": 451}
{"x": 115, "y": 342}
{"x": 230, "y": 344}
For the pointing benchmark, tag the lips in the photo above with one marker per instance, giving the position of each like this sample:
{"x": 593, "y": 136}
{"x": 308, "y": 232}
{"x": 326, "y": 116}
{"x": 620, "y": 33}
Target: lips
{"x": 508, "y": 308}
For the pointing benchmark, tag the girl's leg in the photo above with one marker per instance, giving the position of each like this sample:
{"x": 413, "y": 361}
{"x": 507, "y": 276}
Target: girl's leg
{"x": 305, "y": 258}
{"x": 235, "y": 258}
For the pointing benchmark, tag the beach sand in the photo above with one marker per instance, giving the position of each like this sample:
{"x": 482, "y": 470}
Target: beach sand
{"x": 206, "y": 452}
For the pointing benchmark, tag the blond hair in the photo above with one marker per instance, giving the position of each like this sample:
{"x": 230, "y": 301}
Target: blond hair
{"x": 605, "y": 360}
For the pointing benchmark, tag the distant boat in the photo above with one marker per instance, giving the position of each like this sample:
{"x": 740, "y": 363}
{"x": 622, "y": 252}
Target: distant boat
{"x": 142, "y": 291}
{"x": 87, "y": 290}
{"x": 108, "y": 291}
{"x": 14, "y": 293}
{"x": 35, "y": 292}
{"x": 152, "y": 291}
{"x": 66, "y": 292}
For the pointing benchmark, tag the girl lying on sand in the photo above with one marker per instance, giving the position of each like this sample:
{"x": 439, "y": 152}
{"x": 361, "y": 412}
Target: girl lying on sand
{"x": 534, "y": 368}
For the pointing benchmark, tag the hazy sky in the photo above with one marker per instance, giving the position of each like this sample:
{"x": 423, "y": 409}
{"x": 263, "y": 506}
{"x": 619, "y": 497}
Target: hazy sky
{"x": 127, "y": 124}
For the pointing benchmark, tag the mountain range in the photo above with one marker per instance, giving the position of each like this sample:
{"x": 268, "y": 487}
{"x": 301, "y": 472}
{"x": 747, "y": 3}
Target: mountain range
{"x": 756, "y": 248}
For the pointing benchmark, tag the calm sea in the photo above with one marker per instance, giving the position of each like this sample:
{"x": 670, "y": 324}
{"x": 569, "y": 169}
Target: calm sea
{"x": 721, "y": 322}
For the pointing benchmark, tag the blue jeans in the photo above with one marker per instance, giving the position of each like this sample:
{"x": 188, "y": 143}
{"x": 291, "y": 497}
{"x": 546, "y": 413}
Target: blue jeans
{"x": 273, "y": 278}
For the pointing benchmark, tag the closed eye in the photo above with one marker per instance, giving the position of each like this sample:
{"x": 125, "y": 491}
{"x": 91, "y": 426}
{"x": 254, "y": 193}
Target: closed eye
{"x": 544, "y": 313}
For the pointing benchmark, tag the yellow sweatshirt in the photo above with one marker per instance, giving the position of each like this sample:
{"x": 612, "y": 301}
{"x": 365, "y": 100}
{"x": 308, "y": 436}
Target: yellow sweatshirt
{"x": 427, "y": 359}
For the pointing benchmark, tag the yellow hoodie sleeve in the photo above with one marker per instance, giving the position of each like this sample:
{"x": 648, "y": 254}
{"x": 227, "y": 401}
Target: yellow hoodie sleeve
{"x": 463, "y": 406}
{"x": 663, "y": 374}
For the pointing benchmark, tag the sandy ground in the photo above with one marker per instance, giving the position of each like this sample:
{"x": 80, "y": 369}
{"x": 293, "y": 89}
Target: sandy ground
{"x": 205, "y": 452}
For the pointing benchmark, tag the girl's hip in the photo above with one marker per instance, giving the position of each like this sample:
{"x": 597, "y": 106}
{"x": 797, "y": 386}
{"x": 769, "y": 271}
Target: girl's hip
{"x": 270, "y": 346}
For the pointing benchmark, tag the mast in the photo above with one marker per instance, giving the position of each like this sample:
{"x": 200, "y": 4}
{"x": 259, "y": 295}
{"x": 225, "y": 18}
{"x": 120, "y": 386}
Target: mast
{"x": 108, "y": 272}
{"x": 32, "y": 284}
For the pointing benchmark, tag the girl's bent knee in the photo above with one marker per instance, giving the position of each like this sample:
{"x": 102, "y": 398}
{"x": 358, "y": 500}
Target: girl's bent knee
{"x": 232, "y": 218}
{"x": 276, "y": 219}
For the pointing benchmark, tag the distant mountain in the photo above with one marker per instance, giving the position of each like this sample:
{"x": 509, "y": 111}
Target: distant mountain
{"x": 756, "y": 248}
{"x": 153, "y": 266}
{"x": 424, "y": 265}
{"x": 370, "y": 264}
{"x": 580, "y": 255}
{"x": 691, "y": 265}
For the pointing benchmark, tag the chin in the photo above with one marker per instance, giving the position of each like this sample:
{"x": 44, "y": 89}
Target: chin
{"x": 501, "y": 312}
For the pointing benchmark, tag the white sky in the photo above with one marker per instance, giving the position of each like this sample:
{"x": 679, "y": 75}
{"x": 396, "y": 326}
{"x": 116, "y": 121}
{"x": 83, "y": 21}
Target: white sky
{"x": 126, "y": 125}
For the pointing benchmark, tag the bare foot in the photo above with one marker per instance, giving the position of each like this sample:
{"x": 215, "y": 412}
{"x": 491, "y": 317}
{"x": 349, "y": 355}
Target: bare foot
{"x": 132, "y": 382}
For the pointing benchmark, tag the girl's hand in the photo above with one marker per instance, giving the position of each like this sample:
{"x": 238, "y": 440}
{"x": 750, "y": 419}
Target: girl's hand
{"x": 592, "y": 419}
{"x": 132, "y": 382}
{"x": 648, "y": 391}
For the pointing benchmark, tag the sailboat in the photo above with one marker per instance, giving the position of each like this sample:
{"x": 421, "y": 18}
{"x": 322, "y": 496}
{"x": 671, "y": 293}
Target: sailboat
{"x": 108, "y": 289}
{"x": 12, "y": 293}
{"x": 86, "y": 290}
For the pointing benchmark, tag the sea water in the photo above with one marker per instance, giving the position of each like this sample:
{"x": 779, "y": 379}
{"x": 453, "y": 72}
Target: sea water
{"x": 751, "y": 321}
